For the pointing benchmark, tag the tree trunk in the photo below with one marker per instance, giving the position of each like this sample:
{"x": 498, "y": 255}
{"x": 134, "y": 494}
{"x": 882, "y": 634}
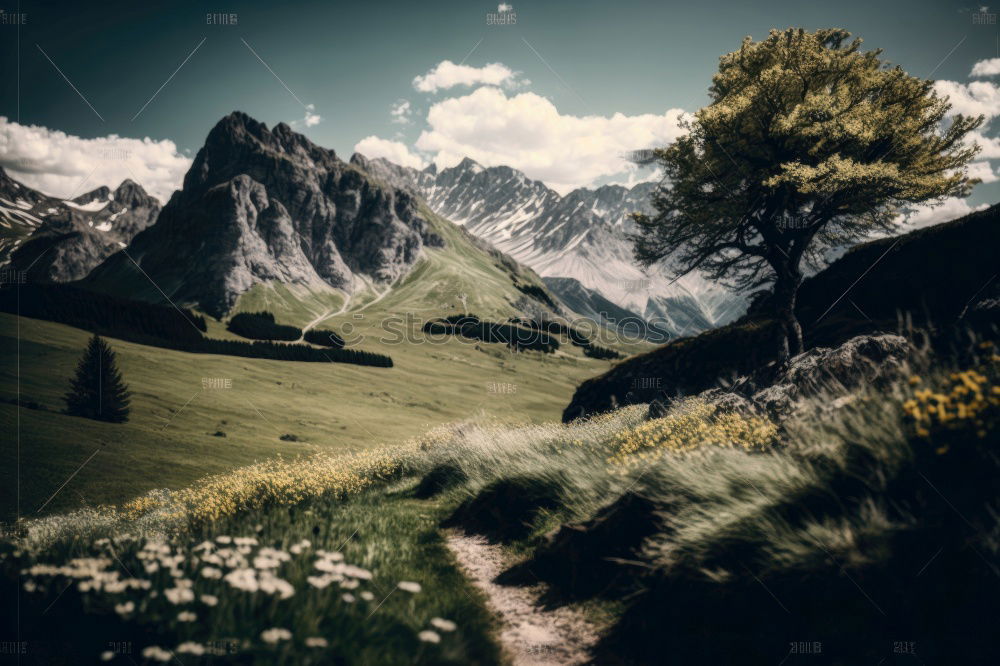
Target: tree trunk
{"x": 785, "y": 290}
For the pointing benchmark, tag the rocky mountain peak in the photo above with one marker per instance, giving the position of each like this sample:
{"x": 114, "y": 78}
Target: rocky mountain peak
{"x": 132, "y": 194}
{"x": 263, "y": 204}
{"x": 102, "y": 193}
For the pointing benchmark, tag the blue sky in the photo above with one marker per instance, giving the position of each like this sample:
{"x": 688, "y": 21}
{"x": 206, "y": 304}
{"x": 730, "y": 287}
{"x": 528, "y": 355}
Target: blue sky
{"x": 573, "y": 67}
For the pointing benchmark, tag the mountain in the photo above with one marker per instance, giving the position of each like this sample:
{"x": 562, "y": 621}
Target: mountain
{"x": 57, "y": 240}
{"x": 581, "y": 235}
{"x": 264, "y": 209}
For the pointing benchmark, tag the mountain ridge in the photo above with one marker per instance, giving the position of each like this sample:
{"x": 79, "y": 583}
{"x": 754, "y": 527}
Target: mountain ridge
{"x": 581, "y": 235}
{"x": 55, "y": 240}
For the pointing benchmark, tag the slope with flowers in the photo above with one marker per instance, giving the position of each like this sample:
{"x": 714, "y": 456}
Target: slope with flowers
{"x": 859, "y": 519}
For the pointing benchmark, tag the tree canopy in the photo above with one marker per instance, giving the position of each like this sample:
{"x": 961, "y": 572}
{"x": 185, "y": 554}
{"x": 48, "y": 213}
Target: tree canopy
{"x": 808, "y": 143}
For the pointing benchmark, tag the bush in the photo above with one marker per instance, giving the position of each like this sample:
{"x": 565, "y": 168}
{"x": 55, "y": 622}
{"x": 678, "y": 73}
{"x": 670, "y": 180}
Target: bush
{"x": 440, "y": 478}
{"x": 158, "y": 325}
{"x": 596, "y": 351}
{"x": 261, "y": 326}
{"x": 506, "y": 509}
{"x": 106, "y": 315}
{"x": 324, "y": 337}
{"x": 515, "y": 337}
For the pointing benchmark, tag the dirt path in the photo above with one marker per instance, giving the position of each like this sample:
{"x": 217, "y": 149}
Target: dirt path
{"x": 530, "y": 635}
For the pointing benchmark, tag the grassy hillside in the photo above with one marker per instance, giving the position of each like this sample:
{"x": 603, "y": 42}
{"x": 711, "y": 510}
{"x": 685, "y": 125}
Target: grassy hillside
{"x": 171, "y": 437}
{"x": 179, "y": 430}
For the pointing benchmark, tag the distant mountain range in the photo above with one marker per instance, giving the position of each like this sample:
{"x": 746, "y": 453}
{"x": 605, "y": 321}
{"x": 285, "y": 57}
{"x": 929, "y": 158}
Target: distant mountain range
{"x": 57, "y": 240}
{"x": 262, "y": 206}
{"x": 579, "y": 238}
{"x": 264, "y": 209}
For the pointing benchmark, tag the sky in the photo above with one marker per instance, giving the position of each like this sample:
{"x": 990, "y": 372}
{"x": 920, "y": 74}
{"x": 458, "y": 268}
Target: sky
{"x": 91, "y": 94}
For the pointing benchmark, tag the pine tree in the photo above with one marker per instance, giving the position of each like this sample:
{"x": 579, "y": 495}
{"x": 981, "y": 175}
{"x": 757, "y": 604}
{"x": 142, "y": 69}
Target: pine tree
{"x": 98, "y": 390}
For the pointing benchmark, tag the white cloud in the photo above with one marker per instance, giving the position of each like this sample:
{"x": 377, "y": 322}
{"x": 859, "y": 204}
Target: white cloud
{"x": 983, "y": 171}
{"x": 989, "y": 146}
{"x": 971, "y": 99}
{"x": 925, "y": 215}
{"x": 311, "y": 119}
{"x": 447, "y": 74}
{"x": 394, "y": 151}
{"x": 528, "y": 133}
{"x": 989, "y": 67}
{"x": 401, "y": 112}
{"x": 63, "y": 165}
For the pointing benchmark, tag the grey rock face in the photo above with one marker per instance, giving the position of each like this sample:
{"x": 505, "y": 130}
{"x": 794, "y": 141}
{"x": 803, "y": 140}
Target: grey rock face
{"x": 259, "y": 205}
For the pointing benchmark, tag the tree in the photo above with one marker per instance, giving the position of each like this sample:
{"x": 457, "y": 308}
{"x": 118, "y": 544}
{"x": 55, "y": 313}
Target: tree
{"x": 808, "y": 143}
{"x": 98, "y": 390}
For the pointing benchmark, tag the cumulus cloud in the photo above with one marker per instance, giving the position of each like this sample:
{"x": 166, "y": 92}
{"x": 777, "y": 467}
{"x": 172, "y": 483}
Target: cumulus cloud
{"x": 983, "y": 171}
{"x": 925, "y": 215}
{"x": 394, "y": 151}
{"x": 989, "y": 146}
{"x": 65, "y": 166}
{"x": 447, "y": 74}
{"x": 527, "y": 132}
{"x": 311, "y": 118}
{"x": 989, "y": 67}
{"x": 401, "y": 112}
{"x": 971, "y": 99}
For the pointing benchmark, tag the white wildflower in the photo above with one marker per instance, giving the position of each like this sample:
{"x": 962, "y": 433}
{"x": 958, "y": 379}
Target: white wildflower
{"x": 179, "y": 595}
{"x": 443, "y": 624}
{"x": 190, "y": 647}
{"x": 274, "y": 635}
{"x": 243, "y": 579}
{"x": 429, "y": 636}
{"x": 156, "y": 653}
{"x": 408, "y": 586}
{"x": 316, "y": 642}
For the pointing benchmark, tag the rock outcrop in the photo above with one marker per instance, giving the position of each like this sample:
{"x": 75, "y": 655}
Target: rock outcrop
{"x": 778, "y": 390}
